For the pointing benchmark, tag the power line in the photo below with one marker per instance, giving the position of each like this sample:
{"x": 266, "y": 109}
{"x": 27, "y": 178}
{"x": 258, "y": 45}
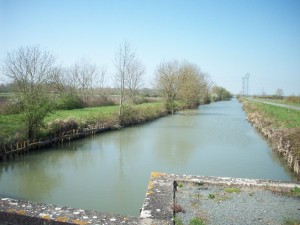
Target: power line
{"x": 245, "y": 80}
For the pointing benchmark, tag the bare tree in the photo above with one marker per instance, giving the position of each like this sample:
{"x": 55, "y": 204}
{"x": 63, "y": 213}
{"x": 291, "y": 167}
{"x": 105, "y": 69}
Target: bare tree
{"x": 80, "y": 85}
{"x": 29, "y": 69}
{"x": 129, "y": 71}
{"x": 58, "y": 82}
{"x": 85, "y": 77}
{"x": 134, "y": 79}
{"x": 279, "y": 93}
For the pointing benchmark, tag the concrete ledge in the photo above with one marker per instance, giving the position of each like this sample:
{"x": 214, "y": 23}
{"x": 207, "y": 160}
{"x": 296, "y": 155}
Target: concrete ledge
{"x": 19, "y": 212}
{"x": 159, "y": 200}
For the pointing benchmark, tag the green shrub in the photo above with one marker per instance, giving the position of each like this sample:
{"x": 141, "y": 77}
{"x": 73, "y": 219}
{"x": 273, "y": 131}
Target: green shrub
{"x": 232, "y": 190}
{"x": 69, "y": 101}
{"x": 295, "y": 191}
{"x": 178, "y": 221}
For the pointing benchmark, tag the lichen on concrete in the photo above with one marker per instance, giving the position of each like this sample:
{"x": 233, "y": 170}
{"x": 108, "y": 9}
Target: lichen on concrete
{"x": 29, "y": 213}
{"x": 159, "y": 198}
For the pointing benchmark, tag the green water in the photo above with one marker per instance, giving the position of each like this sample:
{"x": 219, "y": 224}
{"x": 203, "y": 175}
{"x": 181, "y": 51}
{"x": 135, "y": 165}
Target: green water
{"x": 110, "y": 172}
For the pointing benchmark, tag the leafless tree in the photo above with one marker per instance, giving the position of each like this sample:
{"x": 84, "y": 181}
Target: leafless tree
{"x": 279, "y": 93}
{"x": 134, "y": 79}
{"x": 129, "y": 71}
{"x": 29, "y": 69}
{"x": 87, "y": 79}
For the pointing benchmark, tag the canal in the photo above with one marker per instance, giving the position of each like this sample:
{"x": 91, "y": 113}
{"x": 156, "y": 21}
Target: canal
{"x": 110, "y": 172}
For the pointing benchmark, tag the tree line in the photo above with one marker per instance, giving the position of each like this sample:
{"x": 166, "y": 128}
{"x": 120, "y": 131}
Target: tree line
{"x": 40, "y": 86}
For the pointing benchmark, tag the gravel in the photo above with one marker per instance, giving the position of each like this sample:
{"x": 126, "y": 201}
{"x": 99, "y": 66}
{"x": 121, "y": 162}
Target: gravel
{"x": 243, "y": 205}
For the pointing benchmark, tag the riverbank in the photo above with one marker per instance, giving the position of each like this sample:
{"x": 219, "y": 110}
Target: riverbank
{"x": 281, "y": 127}
{"x": 67, "y": 125}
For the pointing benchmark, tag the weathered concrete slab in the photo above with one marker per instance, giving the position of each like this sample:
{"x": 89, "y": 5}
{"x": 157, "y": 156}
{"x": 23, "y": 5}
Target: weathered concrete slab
{"x": 19, "y": 212}
{"x": 160, "y": 203}
{"x": 159, "y": 198}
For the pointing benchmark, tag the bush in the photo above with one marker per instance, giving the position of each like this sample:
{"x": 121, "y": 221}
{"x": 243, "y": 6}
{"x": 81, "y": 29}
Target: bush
{"x": 134, "y": 115}
{"x": 69, "y": 101}
{"x": 103, "y": 100}
{"x": 293, "y": 99}
{"x": 58, "y": 127}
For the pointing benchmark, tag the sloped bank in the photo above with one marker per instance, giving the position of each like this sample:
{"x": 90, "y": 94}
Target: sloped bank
{"x": 64, "y": 130}
{"x": 285, "y": 141}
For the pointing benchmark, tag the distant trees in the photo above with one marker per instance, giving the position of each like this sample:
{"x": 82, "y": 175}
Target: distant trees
{"x": 41, "y": 87}
{"x": 129, "y": 72}
{"x": 79, "y": 86}
{"x": 220, "y": 94}
{"x": 279, "y": 93}
{"x": 86, "y": 79}
{"x": 181, "y": 81}
{"x": 29, "y": 69}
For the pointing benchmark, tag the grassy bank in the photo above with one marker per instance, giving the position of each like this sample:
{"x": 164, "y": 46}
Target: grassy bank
{"x": 12, "y": 127}
{"x": 278, "y": 117}
{"x": 290, "y": 100}
{"x": 281, "y": 127}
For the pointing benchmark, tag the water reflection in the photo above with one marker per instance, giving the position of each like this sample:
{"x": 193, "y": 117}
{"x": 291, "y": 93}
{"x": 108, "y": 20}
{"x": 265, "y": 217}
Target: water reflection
{"x": 30, "y": 178}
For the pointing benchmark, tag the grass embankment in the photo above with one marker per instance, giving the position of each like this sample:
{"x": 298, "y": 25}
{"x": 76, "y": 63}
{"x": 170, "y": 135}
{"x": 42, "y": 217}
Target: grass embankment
{"x": 12, "y": 127}
{"x": 281, "y": 127}
{"x": 278, "y": 117}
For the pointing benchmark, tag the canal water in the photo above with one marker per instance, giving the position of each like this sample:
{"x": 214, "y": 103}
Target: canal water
{"x": 110, "y": 172}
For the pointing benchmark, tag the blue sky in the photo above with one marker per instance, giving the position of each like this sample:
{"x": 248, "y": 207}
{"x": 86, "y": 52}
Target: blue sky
{"x": 225, "y": 38}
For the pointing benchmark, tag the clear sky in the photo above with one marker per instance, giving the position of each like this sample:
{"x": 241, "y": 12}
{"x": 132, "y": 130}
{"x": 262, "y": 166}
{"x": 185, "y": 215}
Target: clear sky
{"x": 225, "y": 38}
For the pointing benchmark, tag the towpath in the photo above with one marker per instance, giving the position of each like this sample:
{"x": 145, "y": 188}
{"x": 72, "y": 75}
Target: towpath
{"x": 276, "y": 104}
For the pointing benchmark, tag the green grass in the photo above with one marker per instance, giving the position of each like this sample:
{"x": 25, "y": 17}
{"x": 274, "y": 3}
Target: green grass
{"x": 6, "y": 94}
{"x": 79, "y": 114}
{"x": 211, "y": 196}
{"x": 232, "y": 190}
{"x": 289, "y": 221}
{"x": 287, "y": 118}
{"x": 178, "y": 221}
{"x": 11, "y": 124}
{"x": 197, "y": 221}
{"x": 283, "y": 101}
{"x": 295, "y": 191}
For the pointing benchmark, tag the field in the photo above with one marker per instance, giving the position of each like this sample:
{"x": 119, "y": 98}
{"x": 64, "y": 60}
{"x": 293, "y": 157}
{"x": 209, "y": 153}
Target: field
{"x": 79, "y": 114}
{"x": 11, "y": 124}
